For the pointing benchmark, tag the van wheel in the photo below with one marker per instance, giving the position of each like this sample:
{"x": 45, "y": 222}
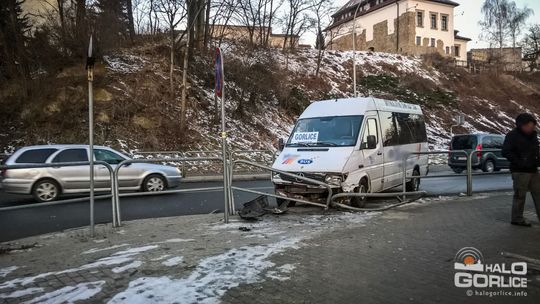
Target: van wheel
{"x": 360, "y": 202}
{"x": 489, "y": 166}
{"x": 457, "y": 170}
{"x": 414, "y": 184}
{"x": 46, "y": 190}
{"x": 154, "y": 183}
{"x": 281, "y": 202}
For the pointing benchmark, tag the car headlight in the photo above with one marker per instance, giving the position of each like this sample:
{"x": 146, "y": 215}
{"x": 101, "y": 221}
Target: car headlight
{"x": 333, "y": 179}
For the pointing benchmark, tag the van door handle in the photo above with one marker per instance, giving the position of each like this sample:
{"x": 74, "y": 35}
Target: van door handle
{"x": 379, "y": 153}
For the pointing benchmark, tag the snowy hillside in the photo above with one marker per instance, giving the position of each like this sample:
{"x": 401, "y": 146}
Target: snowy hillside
{"x": 265, "y": 91}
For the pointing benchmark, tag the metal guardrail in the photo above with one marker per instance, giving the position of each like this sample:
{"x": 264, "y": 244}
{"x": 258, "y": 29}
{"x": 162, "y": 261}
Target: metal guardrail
{"x": 116, "y": 194}
{"x": 406, "y": 158}
{"x": 470, "y": 174}
{"x": 375, "y": 195}
{"x": 228, "y": 190}
{"x": 299, "y": 177}
{"x": 68, "y": 164}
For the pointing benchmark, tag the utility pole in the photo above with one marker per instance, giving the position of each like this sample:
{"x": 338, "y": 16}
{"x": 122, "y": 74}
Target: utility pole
{"x": 355, "y": 94}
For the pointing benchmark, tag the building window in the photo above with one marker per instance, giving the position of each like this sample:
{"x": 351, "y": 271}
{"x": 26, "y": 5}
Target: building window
{"x": 456, "y": 50}
{"x": 447, "y": 50}
{"x": 444, "y": 23}
{"x": 418, "y": 40}
{"x": 432, "y": 42}
{"x": 433, "y": 18}
{"x": 420, "y": 18}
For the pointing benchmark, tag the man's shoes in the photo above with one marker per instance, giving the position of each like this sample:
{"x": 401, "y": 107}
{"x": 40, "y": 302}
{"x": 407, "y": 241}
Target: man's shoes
{"x": 524, "y": 224}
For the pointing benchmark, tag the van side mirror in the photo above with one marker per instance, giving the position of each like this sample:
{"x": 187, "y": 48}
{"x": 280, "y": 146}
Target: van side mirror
{"x": 281, "y": 144}
{"x": 371, "y": 142}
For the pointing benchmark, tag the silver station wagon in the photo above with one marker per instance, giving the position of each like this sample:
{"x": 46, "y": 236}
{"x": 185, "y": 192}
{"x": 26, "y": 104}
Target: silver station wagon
{"x": 47, "y": 184}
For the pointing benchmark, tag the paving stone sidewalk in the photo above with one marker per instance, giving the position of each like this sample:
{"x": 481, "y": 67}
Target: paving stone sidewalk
{"x": 405, "y": 255}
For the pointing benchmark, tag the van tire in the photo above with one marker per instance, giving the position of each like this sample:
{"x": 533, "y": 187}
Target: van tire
{"x": 280, "y": 202}
{"x": 414, "y": 184}
{"x": 46, "y": 185}
{"x": 360, "y": 202}
{"x": 458, "y": 170}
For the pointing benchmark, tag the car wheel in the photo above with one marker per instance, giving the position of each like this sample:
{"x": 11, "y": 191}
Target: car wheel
{"x": 154, "y": 183}
{"x": 458, "y": 170}
{"x": 360, "y": 202}
{"x": 414, "y": 184}
{"x": 46, "y": 190}
{"x": 489, "y": 166}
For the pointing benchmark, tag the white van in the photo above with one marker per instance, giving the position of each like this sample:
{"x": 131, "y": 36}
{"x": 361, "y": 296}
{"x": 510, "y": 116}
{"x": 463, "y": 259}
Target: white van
{"x": 354, "y": 145}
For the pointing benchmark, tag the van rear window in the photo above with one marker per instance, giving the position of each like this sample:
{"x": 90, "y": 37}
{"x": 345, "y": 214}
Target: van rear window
{"x": 37, "y": 156}
{"x": 464, "y": 142}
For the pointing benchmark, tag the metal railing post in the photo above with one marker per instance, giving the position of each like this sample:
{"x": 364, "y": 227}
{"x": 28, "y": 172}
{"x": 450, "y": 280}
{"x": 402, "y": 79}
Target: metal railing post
{"x": 154, "y": 160}
{"x": 70, "y": 164}
{"x": 404, "y": 173}
{"x": 232, "y": 208}
{"x": 469, "y": 175}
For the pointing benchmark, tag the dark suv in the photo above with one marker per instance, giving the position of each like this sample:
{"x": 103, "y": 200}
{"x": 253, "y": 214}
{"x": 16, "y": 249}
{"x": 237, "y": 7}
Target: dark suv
{"x": 487, "y": 161}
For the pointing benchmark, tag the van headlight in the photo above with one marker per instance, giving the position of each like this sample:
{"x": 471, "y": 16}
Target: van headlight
{"x": 333, "y": 180}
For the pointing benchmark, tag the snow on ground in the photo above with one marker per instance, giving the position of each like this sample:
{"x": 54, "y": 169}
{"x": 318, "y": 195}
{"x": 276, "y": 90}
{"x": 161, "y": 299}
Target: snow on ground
{"x": 70, "y": 294}
{"x": 21, "y": 293}
{"x": 117, "y": 258}
{"x": 7, "y": 270}
{"x": 94, "y": 250}
{"x": 216, "y": 274}
{"x": 173, "y": 261}
{"x": 134, "y": 264}
{"x": 124, "y": 63}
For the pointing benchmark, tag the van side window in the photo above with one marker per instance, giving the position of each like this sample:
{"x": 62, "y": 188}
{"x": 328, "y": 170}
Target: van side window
{"x": 37, "y": 156}
{"x": 371, "y": 129}
{"x": 71, "y": 155}
{"x": 389, "y": 129}
{"x": 411, "y": 128}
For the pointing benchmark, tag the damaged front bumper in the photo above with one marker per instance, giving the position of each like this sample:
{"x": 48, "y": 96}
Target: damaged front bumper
{"x": 304, "y": 190}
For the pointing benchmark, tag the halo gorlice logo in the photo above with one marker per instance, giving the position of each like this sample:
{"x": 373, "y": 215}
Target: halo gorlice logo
{"x": 469, "y": 258}
{"x": 473, "y": 272}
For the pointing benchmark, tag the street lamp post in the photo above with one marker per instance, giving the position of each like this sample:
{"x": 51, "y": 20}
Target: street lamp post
{"x": 354, "y": 49}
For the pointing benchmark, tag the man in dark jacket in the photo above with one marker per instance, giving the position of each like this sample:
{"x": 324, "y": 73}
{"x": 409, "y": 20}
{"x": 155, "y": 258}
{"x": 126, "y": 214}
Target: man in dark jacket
{"x": 522, "y": 150}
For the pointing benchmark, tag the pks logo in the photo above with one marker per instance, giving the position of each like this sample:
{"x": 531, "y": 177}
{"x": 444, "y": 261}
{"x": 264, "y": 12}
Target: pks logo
{"x": 289, "y": 159}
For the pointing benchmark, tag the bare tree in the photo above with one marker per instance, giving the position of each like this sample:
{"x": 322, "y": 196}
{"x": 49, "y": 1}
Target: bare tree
{"x": 296, "y": 20}
{"x": 173, "y": 11}
{"x": 321, "y": 9}
{"x": 516, "y": 20}
{"x": 131, "y": 23}
{"x": 531, "y": 46}
{"x": 496, "y": 20}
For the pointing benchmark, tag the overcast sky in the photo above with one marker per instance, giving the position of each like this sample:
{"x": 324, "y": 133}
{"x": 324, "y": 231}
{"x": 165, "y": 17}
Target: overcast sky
{"x": 467, "y": 16}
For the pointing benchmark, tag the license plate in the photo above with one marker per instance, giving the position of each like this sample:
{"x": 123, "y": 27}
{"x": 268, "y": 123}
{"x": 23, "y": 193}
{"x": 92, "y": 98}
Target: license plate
{"x": 462, "y": 158}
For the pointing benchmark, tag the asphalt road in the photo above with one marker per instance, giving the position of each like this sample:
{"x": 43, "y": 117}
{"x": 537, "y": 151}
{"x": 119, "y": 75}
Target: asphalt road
{"x": 15, "y": 224}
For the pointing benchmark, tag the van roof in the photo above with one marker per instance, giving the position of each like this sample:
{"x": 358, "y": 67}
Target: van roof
{"x": 357, "y": 106}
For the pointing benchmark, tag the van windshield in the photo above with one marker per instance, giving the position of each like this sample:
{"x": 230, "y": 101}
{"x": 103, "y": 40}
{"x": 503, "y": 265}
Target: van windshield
{"x": 334, "y": 131}
{"x": 464, "y": 142}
